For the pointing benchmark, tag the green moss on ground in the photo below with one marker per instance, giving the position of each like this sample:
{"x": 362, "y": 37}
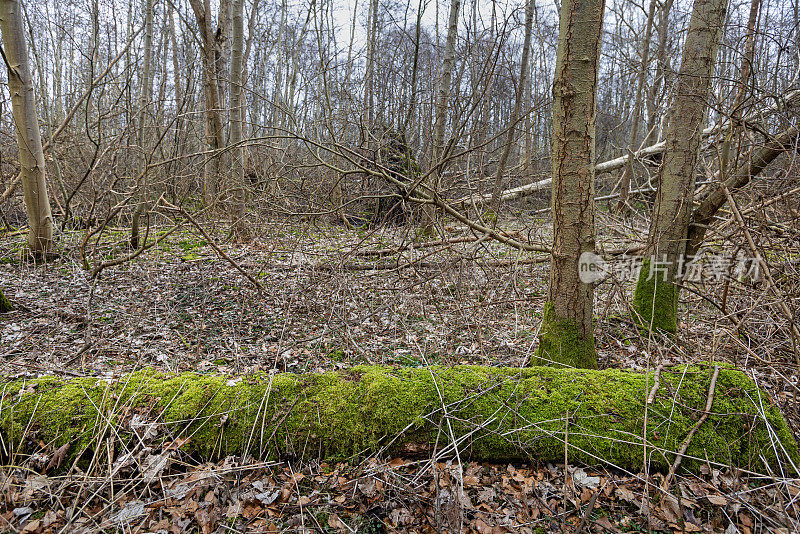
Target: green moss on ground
{"x": 562, "y": 343}
{"x": 5, "y": 304}
{"x": 498, "y": 414}
{"x": 655, "y": 301}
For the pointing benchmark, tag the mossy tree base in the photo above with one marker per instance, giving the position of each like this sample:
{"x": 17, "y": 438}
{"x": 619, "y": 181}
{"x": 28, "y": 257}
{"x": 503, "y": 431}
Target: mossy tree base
{"x": 655, "y": 301}
{"x": 563, "y": 343}
{"x": 5, "y": 304}
{"x": 497, "y": 414}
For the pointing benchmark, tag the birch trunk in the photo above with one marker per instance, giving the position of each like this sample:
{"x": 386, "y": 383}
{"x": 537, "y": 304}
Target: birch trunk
{"x": 29, "y": 139}
{"x": 656, "y": 296}
{"x": 566, "y": 337}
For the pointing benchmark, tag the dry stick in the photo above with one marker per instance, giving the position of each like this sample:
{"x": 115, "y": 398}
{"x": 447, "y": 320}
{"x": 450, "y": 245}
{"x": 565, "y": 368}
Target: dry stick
{"x": 794, "y": 333}
{"x": 213, "y": 244}
{"x": 656, "y": 381}
{"x": 589, "y": 509}
{"x": 688, "y": 440}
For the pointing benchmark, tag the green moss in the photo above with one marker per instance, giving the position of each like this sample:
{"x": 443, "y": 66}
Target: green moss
{"x": 498, "y": 414}
{"x": 655, "y": 301}
{"x": 562, "y": 342}
{"x": 5, "y": 304}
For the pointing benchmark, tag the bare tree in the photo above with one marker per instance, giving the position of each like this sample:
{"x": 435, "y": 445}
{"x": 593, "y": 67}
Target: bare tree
{"x": 628, "y": 172}
{"x": 210, "y": 53}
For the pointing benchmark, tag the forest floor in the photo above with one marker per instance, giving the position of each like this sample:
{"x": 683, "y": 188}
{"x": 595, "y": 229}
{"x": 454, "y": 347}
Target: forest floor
{"x": 333, "y": 298}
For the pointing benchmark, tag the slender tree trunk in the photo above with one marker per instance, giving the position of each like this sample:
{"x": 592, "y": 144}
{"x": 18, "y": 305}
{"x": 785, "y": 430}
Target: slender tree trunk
{"x": 144, "y": 102}
{"x": 442, "y": 108}
{"x": 523, "y": 81}
{"x": 213, "y": 123}
{"x": 178, "y": 87}
{"x": 566, "y": 336}
{"x": 628, "y": 173}
{"x": 369, "y": 75}
{"x": 236, "y": 138}
{"x": 656, "y": 296}
{"x": 745, "y": 70}
{"x": 29, "y": 139}
{"x": 660, "y": 81}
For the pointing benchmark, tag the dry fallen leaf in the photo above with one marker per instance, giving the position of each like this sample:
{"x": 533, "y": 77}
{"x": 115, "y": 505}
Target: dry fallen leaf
{"x": 717, "y": 500}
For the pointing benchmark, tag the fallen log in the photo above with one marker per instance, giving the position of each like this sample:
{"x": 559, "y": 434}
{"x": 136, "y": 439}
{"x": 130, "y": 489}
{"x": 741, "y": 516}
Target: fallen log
{"x": 496, "y": 414}
{"x": 789, "y": 100}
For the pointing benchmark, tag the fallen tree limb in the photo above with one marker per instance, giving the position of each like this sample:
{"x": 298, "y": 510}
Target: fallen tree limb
{"x": 789, "y": 100}
{"x": 757, "y": 162}
{"x": 497, "y": 414}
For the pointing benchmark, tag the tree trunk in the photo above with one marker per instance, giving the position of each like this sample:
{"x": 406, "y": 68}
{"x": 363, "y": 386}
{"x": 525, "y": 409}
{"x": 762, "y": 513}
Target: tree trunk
{"x": 660, "y": 81}
{"x": 236, "y": 116}
{"x": 628, "y": 173}
{"x": 745, "y": 69}
{"x": 566, "y": 336}
{"x": 497, "y": 192}
{"x": 29, "y": 140}
{"x": 442, "y": 107}
{"x": 369, "y": 75}
{"x": 656, "y": 296}
{"x": 144, "y": 102}
{"x": 214, "y": 132}
{"x": 495, "y": 414}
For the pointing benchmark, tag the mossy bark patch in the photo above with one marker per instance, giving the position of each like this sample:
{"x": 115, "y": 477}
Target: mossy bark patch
{"x": 496, "y": 414}
{"x": 5, "y": 304}
{"x": 563, "y": 343}
{"x": 655, "y": 301}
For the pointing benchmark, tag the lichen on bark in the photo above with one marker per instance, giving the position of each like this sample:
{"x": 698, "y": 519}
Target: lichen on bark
{"x": 496, "y": 414}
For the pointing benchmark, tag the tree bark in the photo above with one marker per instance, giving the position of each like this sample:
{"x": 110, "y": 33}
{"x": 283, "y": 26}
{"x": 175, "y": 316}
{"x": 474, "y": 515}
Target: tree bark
{"x": 29, "y": 139}
{"x": 5, "y": 304}
{"x": 566, "y": 336}
{"x": 656, "y": 297}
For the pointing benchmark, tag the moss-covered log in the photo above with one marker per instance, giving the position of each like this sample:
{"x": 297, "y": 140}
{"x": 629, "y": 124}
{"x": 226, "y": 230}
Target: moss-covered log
{"x": 499, "y": 414}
